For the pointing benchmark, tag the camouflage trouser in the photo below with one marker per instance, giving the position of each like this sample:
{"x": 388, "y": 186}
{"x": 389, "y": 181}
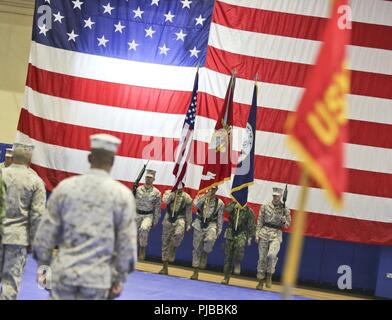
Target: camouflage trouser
{"x": 1, "y": 261}
{"x": 234, "y": 251}
{"x": 14, "y": 262}
{"x": 144, "y": 225}
{"x": 61, "y": 291}
{"x": 268, "y": 257}
{"x": 172, "y": 236}
{"x": 203, "y": 241}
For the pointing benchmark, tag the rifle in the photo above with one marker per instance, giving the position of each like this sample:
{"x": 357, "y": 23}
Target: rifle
{"x": 285, "y": 196}
{"x": 139, "y": 177}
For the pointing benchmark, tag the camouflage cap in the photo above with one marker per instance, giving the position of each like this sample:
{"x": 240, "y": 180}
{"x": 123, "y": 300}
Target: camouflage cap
{"x": 105, "y": 141}
{"x": 9, "y": 152}
{"x": 150, "y": 173}
{"x": 23, "y": 147}
{"x": 277, "y": 191}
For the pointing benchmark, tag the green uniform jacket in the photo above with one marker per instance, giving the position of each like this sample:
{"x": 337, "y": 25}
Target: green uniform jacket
{"x": 246, "y": 222}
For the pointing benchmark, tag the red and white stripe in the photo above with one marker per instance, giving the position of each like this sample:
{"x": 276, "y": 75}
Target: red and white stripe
{"x": 70, "y": 96}
{"x": 181, "y": 166}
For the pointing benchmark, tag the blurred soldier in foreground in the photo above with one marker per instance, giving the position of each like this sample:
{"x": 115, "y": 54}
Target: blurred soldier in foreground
{"x": 207, "y": 228}
{"x": 92, "y": 220}
{"x": 148, "y": 209}
{"x": 8, "y": 159}
{"x": 178, "y": 218}
{"x": 273, "y": 216}
{"x": 25, "y": 203}
{"x": 240, "y": 231}
{"x": 2, "y": 214}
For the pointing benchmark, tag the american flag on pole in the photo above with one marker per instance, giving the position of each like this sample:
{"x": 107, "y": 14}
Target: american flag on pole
{"x": 184, "y": 149}
{"x": 127, "y": 68}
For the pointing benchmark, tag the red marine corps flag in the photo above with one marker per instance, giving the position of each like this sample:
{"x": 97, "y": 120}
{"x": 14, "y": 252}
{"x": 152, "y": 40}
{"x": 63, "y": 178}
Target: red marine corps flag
{"x": 318, "y": 129}
{"x": 217, "y": 166}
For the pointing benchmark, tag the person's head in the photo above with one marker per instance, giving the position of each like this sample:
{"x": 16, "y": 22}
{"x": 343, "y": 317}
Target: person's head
{"x": 8, "y": 157}
{"x": 212, "y": 191}
{"x": 276, "y": 195}
{"x": 22, "y": 153}
{"x": 103, "y": 150}
{"x": 150, "y": 177}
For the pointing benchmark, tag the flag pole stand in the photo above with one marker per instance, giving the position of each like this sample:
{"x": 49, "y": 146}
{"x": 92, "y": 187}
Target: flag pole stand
{"x": 293, "y": 253}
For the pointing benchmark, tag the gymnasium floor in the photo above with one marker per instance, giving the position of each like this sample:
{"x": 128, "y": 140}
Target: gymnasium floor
{"x": 146, "y": 284}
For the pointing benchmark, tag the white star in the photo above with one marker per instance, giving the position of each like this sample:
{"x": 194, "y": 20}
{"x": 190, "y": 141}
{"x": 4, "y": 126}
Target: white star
{"x": 43, "y": 30}
{"x": 77, "y": 4}
{"x": 155, "y": 2}
{"x": 169, "y": 16}
{"x": 186, "y": 3}
{"x": 108, "y": 8}
{"x": 149, "y": 32}
{"x": 180, "y": 35}
{"x": 132, "y": 45}
{"x": 138, "y": 13}
{"x": 58, "y": 17}
{"x": 119, "y": 27}
{"x": 164, "y": 50}
{"x": 102, "y": 41}
{"x": 194, "y": 52}
{"x": 200, "y": 20}
{"x": 72, "y": 36}
{"x": 88, "y": 23}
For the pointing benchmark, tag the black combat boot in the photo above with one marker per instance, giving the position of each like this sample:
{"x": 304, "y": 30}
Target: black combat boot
{"x": 165, "y": 268}
{"x": 195, "y": 275}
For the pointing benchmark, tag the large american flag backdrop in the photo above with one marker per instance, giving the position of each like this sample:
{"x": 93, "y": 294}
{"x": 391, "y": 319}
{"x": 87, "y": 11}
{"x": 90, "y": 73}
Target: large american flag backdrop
{"x": 127, "y": 68}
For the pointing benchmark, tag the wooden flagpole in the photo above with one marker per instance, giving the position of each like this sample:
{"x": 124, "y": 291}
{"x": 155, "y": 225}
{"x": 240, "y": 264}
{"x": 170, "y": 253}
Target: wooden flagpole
{"x": 294, "y": 250}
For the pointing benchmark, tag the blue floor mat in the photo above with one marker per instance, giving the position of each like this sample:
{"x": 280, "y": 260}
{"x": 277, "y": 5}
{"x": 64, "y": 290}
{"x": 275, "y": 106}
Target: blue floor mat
{"x": 150, "y": 286}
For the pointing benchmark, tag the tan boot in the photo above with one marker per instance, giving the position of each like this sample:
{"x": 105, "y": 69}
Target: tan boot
{"x": 226, "y": 279}
{"x": 195, "y": 275}
{"x": 142, "y": 253}
{"x": 165, "y": 268}
{"x": 237, "y": 268}
{"x": 268, "y": 282}
{"x": 260, "y": 285}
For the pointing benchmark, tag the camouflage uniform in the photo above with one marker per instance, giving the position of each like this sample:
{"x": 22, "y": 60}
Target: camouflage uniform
{"x": 205, "y": 234}
{"x": 25, "y": 203}
{"x": 174, "y": 226}
{"x": 237, "y": 234}
{"x": 148, "y": 209}
{"x": 2, "y": 214}
{"x": 272, "y": 218}
{"x": 92, "y": 220}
